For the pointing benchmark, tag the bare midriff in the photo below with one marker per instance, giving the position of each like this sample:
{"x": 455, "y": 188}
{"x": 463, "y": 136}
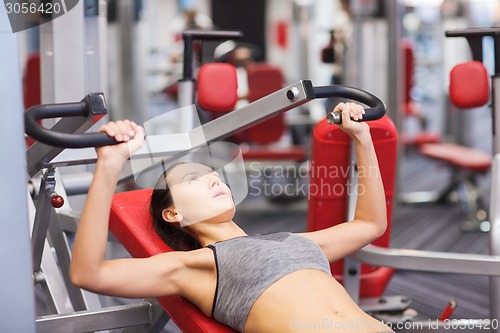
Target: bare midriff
{"x": 309, "y": 301}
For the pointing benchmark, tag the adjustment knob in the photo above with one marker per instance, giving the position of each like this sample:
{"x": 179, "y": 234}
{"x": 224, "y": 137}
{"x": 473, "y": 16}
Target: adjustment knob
{"x": 57, "y": 201}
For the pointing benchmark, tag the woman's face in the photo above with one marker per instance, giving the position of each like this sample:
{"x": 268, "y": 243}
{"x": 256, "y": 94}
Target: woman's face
{"x": 199, "y": 194}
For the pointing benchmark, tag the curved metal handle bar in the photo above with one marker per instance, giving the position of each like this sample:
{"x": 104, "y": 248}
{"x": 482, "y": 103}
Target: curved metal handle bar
{"x": 92, "y": 104}
{"x": 377, "y": 107}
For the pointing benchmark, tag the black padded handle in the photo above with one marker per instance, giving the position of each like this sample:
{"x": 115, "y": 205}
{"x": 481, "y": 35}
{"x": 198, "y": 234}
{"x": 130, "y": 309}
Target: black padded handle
{"x": 377, "y": 107}
{"x": 92, "y": 104}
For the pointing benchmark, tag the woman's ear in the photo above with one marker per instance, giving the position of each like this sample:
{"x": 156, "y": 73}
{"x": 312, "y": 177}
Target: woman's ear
{"x": 171, "y": 216}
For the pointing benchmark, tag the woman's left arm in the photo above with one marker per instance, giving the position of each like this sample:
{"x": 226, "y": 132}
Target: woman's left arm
{"x": 370, "y": 217}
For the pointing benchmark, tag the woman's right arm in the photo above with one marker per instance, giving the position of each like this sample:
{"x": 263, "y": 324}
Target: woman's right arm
{"x": 89, "y": 270}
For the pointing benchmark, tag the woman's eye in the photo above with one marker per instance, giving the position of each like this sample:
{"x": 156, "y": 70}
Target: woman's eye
{"x": 193, "y": 179}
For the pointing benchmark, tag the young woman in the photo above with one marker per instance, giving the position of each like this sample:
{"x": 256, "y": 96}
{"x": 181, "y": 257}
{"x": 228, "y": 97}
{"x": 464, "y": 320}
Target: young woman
{"x": 268, "y": 283}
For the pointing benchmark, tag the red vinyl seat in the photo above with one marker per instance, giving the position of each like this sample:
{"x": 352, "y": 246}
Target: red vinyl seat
{"x": 459, "y": 156}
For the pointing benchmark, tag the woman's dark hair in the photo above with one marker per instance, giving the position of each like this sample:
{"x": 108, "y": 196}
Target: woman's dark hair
{"x": 171, "y": 233}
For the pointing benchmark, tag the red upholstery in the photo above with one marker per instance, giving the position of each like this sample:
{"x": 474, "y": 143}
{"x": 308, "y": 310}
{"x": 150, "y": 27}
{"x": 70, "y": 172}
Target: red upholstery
{"x": 469, "y": 85}
{"x": 217, "y": 87}
{"x": 328, "y": 194}
{"x": 32, "y": 91}
{"x": 264, "y": 79}
{"x": 130, "y": 222}
{"x": 409, "y": 62}
{"x": 458, "y": 156}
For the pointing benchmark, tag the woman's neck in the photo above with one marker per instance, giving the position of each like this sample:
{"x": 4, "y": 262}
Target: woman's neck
{"x": 209, "y": 233}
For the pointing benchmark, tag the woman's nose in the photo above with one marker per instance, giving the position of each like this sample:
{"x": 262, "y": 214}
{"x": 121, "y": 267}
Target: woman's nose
{"x": 214, "y": 181}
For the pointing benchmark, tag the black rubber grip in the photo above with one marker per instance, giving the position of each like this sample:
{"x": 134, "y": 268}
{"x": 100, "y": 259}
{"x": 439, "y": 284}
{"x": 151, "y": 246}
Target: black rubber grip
{"x": 377, "y": 108}
{"x": 92, "y": 104}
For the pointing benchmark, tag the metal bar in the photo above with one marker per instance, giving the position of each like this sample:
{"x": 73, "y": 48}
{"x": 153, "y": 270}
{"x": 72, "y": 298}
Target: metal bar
{"x": 157, "y": 324}
{"x": 63, "y": 53}
{"x": 16, "y": 285}
{"x": 258, "y": 111}
{"x": 40, "y": 154}
{"x": 495, "y": 237}
{"x": 237, "y": 120}
{"x": 496, "y": 44}
{"x": 431, "y": 261}
{"x": 107, "y": 318}
{"x": 495, "y": 83}
{"x": 50, "y": 275}
{"x": 54, "y": 283}
{"x": 42, "y": 218}
{"x": 60, "y": 244}
{"x": 352, "y": 266}
{"x": 185, "y": 120}
{"x": 476, "y": 47}
{"x": 394, "y": 13}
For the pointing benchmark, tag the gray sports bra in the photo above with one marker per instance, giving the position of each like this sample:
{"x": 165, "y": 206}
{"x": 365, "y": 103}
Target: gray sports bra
{"x": 247, "y": 266}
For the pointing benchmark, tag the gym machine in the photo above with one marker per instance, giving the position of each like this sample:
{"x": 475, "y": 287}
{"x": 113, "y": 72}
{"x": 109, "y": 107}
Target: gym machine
{"x": 281, "y": 101}
{"x": 158, "y": 145}
{"x": 487, "y": 265}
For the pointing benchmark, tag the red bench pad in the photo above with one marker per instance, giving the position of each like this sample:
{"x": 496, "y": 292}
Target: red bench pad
{"x": 459, "y": 156}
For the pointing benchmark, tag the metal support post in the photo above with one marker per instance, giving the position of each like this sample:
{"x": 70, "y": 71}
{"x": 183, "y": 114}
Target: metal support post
{"x": 59, "y": 241}
{"x": 108, "y": 318}
{"x": 47, "y": 272}
{"x": 73, "y": 64}
{"x": 62, "y": 57}
{"x": 16, "y": 286}
{"x": 352, "y": 266}
{"x": 395, "y": 67}
{"x": 42, "y": 218}
{"x": 495, "y": 238}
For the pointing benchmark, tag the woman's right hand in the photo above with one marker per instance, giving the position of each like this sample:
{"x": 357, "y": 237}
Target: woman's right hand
{"x": 350, "y": 113}
{"x": 128, "y": 133}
